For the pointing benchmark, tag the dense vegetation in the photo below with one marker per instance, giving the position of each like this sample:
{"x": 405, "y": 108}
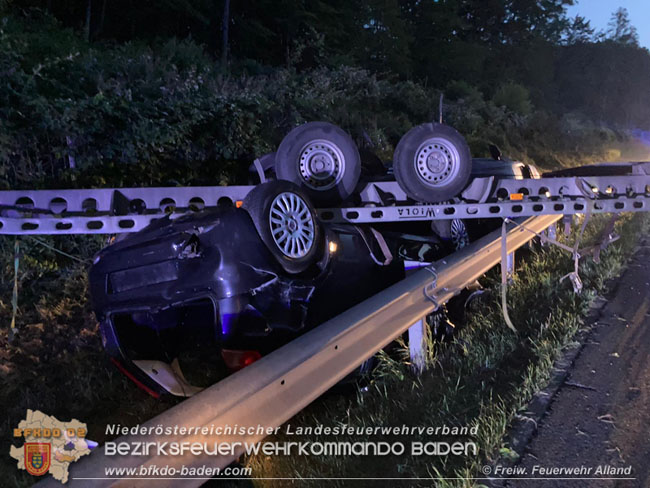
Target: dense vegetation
{"x": 101, "y": 93}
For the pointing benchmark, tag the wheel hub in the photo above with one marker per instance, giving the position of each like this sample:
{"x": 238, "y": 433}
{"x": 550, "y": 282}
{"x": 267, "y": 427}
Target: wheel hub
{"x": 436, "y": 162}
{"x": 321, "y": 164}
{"x": 292, "y": 225}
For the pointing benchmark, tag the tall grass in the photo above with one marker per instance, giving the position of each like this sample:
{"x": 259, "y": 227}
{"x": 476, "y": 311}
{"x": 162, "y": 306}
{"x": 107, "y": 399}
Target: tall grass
{"x": 483, "y": 378}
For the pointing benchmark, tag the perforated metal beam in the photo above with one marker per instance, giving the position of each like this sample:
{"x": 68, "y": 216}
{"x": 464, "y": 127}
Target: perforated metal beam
{"x": 112, "y": 211}
{"x": 565, "y": 206}
{"x": 105, "y": 199}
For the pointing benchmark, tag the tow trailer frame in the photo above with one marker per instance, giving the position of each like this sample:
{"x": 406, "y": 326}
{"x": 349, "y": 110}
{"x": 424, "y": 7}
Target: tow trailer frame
{"x": 115, "y": 211}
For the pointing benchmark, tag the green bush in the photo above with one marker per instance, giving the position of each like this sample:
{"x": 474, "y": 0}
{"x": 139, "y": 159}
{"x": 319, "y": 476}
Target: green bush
{"x": 77, "y": 114}
{"x": 514, "y": 97}
{"x": 461, "y": 90}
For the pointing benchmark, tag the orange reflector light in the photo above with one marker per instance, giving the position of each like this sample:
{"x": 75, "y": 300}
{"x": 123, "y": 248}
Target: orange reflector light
{"x": 516, "y": 196}
{"x": 239, "y": 203}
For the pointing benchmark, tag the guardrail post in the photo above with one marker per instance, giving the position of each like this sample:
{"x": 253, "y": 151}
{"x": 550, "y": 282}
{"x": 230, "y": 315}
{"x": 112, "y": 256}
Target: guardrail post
{"x": 418, "y": 345}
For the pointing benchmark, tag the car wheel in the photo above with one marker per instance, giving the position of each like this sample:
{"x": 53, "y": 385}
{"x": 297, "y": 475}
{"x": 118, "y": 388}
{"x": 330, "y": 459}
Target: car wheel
{"x": 322, "y": 159}
{"x": 459, "y": 234}
{"x": 432, "y": 163}
{"x": 286, "y": 223}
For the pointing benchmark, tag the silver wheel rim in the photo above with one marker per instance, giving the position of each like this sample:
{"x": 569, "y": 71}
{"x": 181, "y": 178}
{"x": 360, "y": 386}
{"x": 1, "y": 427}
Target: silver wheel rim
{"x": 437, "y": 162}
{"x": 292, "y": 225}
{"x": 321, "y": 164}
{"x": 459, "y": 235}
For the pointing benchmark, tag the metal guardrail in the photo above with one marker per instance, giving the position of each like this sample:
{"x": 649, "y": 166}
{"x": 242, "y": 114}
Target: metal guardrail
{"x": 275, "y": 388}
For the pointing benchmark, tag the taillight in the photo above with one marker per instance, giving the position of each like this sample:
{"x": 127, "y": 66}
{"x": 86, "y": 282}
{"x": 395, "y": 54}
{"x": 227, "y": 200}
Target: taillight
{"x": 236, "y": 359}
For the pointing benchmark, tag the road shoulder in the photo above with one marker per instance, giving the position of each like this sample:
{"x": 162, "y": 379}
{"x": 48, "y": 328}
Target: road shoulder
{"x": 596, "y": 410}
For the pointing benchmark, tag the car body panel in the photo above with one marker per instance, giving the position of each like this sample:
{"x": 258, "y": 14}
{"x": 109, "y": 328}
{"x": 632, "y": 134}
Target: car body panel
{"x": 210, "y": 276}
{"x": 603, "y": 169}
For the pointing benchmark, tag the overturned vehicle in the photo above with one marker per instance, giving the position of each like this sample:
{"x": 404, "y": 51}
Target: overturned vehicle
{"x": 219, "y": 288}
{"x": 239, "y": 281}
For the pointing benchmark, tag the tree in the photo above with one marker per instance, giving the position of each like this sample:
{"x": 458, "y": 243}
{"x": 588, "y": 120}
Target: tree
{"x": 383, "y": 44}
{"x": 621, "y": 30}
{"x": 88, "y": 17}
{"x": 578, "y": 31}
{"x": 224, "y": 33}
{"x": 514, "y": 21}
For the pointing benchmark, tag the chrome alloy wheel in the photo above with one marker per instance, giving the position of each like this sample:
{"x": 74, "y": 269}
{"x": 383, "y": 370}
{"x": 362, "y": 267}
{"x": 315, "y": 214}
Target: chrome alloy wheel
{"x": 292, "y": 225}
{"x": 437, "y": 162}
{"x": 459, "y": 234}
{"x": 321, "y": 164}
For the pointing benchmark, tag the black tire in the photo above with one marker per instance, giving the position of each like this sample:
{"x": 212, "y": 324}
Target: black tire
{"x": 266, "y": 206}
{"x": 432, "y": 163}
{"x": 322, "y": 159}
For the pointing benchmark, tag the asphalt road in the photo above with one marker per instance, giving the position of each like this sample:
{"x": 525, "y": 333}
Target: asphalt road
{"x": 601, "y": 414}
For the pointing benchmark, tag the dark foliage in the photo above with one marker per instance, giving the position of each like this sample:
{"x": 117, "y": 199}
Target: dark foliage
{"x": 73, "y": 111}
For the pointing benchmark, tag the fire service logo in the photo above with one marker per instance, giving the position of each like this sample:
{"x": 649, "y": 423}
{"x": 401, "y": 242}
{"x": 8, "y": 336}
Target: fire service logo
{"x": 50, "y": 445}
{"x": 37, "y": 457}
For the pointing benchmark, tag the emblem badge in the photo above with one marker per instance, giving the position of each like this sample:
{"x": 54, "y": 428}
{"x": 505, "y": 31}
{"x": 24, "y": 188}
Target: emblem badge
{"x": 37, "y": 457}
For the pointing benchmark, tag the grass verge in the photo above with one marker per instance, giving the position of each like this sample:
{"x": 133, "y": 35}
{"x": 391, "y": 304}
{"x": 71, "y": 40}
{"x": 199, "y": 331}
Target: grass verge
{"x": 56, "y": 363}
{"x": 482, "y": 379}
